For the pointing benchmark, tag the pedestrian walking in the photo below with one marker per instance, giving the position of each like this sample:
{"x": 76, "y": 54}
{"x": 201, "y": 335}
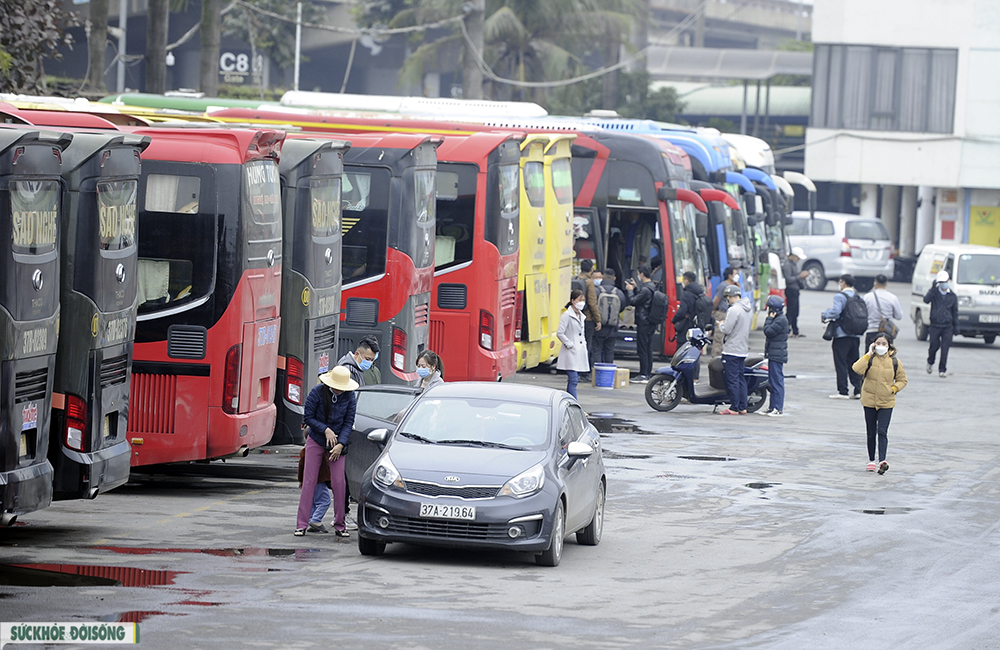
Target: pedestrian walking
{"x": 329, "y": 413}
{"x": 884, "y": 377}
{"x": 884, "y": 311}
{"x": 944, "y": 322}
{"x": 574, "y": 357}
{"x": 735, "y": 348}
{"x": 321, "y": 495}
{"x": 844, "y": 313}
{"x": 610, "y": 302}
{"x": 730, "y": 277}
{"x": 641, "y": 296}
{"x": 430, "y": 370}
{"x": 793, "y": 286}
{"x": 584, "y": 282}
{"x": 776, "y": 351}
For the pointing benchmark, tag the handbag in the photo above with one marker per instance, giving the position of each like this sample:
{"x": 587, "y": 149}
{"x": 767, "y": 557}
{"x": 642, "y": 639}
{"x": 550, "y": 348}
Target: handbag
{"x": 885, "y": 325}
{"x": 831, "y": 331}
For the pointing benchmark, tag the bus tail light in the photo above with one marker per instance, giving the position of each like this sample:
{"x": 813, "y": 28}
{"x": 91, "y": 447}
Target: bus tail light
{"x": 75, "y": 435}
{"x": 487, "y": 329}
{"x": 231, "y": 387}
{"x": 293, "y": 380}
{"x": 398, "y": 349}
{"x": 518, "y": 314}
{"x": 845, "y": 248}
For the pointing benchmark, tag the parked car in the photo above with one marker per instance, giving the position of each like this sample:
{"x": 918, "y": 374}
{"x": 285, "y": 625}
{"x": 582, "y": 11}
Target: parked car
{"x": 837, "y": 243}
{"x": 975, "y": 280}
{"x": 482, "y": 465}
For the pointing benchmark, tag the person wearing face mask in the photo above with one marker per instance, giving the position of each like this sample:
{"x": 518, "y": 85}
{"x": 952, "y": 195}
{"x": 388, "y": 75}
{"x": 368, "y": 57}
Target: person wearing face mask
{"x": 883, "y": 376}
{"x": 776, "y": 351}
{"x": 574, "y": 357}
{"x": 329, "y": 413}
{"x": 361, "y": 362}
{"x": 944, "y": 322}
{"x": 430, "y": 370}
{"x": 730, "y": 277}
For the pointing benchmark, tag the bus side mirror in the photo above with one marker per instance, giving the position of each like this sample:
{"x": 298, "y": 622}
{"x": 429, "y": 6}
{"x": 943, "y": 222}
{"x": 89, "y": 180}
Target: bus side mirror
{"x": 751, "y": 221}
{"x": 700, "y": 225}
{"x": 666, "y": 193}
{"x": 751, "y": 204}
{"x": 739, "y": 240}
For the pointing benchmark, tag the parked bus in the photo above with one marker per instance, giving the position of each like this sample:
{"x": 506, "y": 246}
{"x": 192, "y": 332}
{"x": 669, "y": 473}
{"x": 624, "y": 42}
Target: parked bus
{"x": 88, "y": 449}
{"x": 30, "y": 208}
{"x": 209, "y": 292}
{"x": 311, "y": 275}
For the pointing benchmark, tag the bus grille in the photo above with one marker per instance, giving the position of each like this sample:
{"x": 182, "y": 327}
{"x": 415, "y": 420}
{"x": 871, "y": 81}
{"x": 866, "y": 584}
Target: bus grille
{"x": 508, "y": 297}
{"x": 152, "y": 400}
{"x": 452, "y": 296}
{"x": 464, "y": 492}
{"x": 436, "y": 335}
{"x": 361, "y": 311}
{"x": 30, "y": 385}
{"x": 186, "y": 342}
{"x": 421, "y": 314}
{"x": 324, "y": 338}
{"x": 114, "y": 371}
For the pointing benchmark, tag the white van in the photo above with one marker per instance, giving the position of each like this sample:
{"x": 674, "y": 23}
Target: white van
{"x": 975, "y": 279}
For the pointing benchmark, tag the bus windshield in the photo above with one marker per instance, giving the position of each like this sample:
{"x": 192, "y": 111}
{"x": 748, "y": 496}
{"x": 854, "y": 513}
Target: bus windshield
{"x": 325, "y": 203}
{"x": 116, "y": 203}
{"x": 685, "y": 244}
{"x": 734, "y": 250}
{"x": 534, "y": 183}
{"x": 425, "y": 192}
{"x": 34, "y": 208}
{"x": 562, "y": 180}
{"x": 365, "y": 222}
{"x": 262, "y": 200}
{"x": 502, "y": 227}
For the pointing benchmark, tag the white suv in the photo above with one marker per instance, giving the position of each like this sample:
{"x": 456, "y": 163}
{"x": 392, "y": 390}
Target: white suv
{"x": 837, "y": 243}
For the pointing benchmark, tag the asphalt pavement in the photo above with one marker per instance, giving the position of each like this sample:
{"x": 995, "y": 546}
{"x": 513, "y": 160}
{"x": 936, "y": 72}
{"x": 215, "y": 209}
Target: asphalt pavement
{"x": 721, "y": 532}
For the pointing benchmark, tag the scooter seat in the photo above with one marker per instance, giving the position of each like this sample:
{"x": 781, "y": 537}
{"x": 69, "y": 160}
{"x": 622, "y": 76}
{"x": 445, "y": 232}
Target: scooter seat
{"x": 753, "y": 360}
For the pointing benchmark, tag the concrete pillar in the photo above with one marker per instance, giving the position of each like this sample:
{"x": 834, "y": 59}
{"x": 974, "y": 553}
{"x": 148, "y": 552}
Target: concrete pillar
{"x": 925, "y": 219}
{"x": 890, "y": 211}
{"x": 908, "y": 221}
{"x": 869, "y": 200}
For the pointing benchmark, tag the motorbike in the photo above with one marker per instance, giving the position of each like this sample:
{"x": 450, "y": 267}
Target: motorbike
{"x": 670, "y": 384}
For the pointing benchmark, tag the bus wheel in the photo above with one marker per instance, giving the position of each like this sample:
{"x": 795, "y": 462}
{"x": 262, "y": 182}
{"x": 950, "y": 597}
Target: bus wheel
{"x": 989, "y": 338}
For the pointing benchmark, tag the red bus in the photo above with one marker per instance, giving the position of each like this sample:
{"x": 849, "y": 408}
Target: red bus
{"x": 209, "y": 291}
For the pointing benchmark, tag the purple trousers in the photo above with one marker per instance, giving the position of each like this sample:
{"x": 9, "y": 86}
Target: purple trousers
{"x": 315, "y": 454}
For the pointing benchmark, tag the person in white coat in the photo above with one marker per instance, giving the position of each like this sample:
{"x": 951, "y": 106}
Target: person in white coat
{"x": 574, "y": 357}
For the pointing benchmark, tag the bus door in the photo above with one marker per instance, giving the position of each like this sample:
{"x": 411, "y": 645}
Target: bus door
{"x": 311, "y": 276}
{"x": 89, "y": 450}
{"x": 558, "y": 231}
{"x": 29, "y": 314}
{"x": 533, "y": 318}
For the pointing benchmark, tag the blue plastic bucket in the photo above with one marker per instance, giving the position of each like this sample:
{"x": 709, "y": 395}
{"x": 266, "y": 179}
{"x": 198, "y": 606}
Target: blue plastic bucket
{"x": 604, "y": 375}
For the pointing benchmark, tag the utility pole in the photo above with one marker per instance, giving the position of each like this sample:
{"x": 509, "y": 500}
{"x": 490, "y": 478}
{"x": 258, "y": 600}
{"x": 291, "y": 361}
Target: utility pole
{"x": 472, "y": 76}
{"x": 97, "y": 44}
{"x": 210, "y": 37}
{"x": 122, "y": 40}
{"x": 156, "y": 45}
{"x": 298, "y": 44}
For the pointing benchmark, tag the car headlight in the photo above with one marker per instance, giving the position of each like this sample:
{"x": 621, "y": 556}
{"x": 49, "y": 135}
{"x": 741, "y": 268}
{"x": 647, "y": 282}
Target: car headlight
{"x": 525, "y": 484}
{"x": 385, "y": 474}
{"x": 966, "y": 301}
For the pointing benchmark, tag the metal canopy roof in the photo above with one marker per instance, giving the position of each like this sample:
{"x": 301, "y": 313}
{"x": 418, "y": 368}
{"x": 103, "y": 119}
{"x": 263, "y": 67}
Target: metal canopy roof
{"x": 717, "y": 63}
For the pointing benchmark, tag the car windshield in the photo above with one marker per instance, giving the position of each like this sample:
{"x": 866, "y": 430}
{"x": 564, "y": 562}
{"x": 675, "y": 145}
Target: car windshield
{"x": 866, "y": 230}
{"x": 978, "y": 269}
{"x": 478, "y": 421}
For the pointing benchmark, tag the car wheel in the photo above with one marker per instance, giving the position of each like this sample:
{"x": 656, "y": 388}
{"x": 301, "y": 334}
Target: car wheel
{"x": 552, "y": 555}
{"x": 816, "y": 280}
{"x": 756, "y": 399}
{"x": 864, "y": 285}
{"x": 370, "y": 546}
{"x": 921, "y": 329}
{"x": 989, "y": 338}
{"x": 664, "y": 392}
{"x": 591, "y": 535}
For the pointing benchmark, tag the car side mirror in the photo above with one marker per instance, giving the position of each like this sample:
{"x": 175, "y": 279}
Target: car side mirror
{"x": 700, "y": 225}
{"x": 378, "y": 435}
{"x": 577, "y": 449}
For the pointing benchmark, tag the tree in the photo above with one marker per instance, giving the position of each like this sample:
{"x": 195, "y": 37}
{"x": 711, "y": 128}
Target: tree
{"x": 210, "y": 37}
{"x": 97, "y": 45}
{"x": 30, "y": 30}
{"x": 271, "y": 36}
{"x": 156, "y": 45}
{"x": 634, "y": 100}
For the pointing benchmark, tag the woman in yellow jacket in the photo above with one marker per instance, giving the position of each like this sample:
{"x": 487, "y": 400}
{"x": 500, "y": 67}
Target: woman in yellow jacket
{"x": 883, "y": 377}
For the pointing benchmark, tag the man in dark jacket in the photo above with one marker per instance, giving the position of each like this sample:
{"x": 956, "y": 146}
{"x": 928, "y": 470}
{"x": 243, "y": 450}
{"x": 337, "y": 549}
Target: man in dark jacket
{"x": 605, "y": 338}
{"x": 683, "y": 320}
{"x": 776, "y": 351}
{"x": 793, "y": 285}
{"x": 641, "y": 297}
{"x": 944, "y": 322}
{"x": 361, "y": 361}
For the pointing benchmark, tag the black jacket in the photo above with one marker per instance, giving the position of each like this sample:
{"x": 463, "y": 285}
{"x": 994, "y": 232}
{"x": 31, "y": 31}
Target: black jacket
{"x": 790, "y": 270}
{"x": 641, "y": 298}
{"x": 685, "y": 313}
{"x": 776, "y": 331}
{"x": 944, "y": 308}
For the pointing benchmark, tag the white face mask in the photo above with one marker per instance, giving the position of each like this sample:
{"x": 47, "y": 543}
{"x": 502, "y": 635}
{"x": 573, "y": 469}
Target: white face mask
{"x": 881, "y": 349}
{"x": 580, "y": 304}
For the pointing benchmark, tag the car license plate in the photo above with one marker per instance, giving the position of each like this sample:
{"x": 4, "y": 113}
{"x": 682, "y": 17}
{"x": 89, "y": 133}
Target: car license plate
{"x": 439, "y": 511}
{"x": 989, "y": 318}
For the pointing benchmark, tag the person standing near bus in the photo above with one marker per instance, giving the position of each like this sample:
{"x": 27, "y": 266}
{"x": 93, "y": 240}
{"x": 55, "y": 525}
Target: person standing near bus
{"x": 610, "y": 302}
{"x": 944, "y": 322}
{"x": 430, "y": 370}
{"x": 585, "y": 283}
{"x": 735, "y": 348}
{"x": 793, "y": 286}
{"x": 360, "y": 362}
{"x": 574, "y": 357}
{"x": 730, "y": 277}
{"x": 329, "y": 413}
{"x": 641, "y": 297}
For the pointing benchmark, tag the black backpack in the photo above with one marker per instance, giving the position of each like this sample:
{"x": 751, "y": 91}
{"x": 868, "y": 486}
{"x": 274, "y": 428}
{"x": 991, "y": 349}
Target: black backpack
{"x": 854, "y": 318}
{"x": 658, "y": 308}
{"x": 702, "y": 316}
{"x": 609, "y": 306}
{"x": 579, "y": 284}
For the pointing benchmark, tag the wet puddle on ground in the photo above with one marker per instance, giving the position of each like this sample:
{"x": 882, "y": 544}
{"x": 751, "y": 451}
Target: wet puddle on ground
{"x": 614, "y": 455}
{"x": 707, "y": 458}
{"x": 609, "y": 423}
{"x": 894, "y": 510}
{"x": 297, "y": 553}
{"x": 761, "y": 486}
{"x": 82, "y": 575}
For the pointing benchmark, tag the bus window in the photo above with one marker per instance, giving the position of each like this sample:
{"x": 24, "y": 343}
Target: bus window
{"x": 456, "y": 215}
{"x": 177, "y": 248}
{"x": 534, "y": 183}
{"x": 562, "y": 180}
{"x": 364, "y": 223}
{"x": 34, "y": 207}
{"x": 324, "y": 197}
{"x": 502, "y": 202}
{"x": 116, "y": 201}
{"x": 684, "y": 243}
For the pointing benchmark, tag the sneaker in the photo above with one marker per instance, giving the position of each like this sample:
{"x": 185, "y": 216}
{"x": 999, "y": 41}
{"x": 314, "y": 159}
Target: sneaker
{"x": 349, "y": 523}
{"x": 883, "y": 467}
{"x": 763, "y": 412}
{"x": 341, "y": 533}
{"x": 299, "y": 532}
{"x": 776, "y": 413}
{"x": 840, "y": 396}
{"x": 942, "y": 374}
{"x": 856, "y": 396}
{"x": 930, "y": 368}
{"x": 318, "y": 528}
{"x": 641, "y": 379}
{"x": 871, "y": 466}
